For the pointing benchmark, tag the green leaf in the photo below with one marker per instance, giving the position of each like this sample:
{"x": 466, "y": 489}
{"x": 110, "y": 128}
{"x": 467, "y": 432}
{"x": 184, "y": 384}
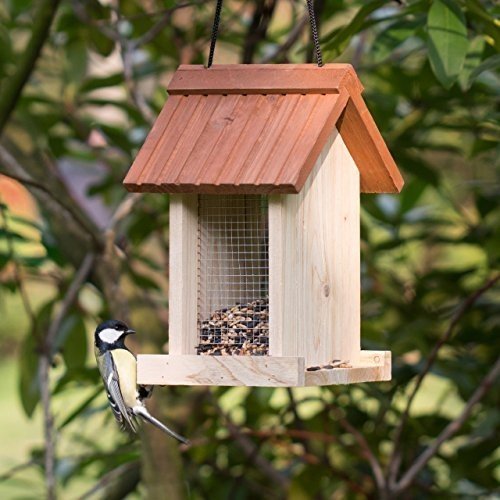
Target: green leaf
{"x": 447, "y": 40}
{"x": 29, "y": 389}
{"x": 337, "y": 43}
{"x": 17, "y": 7}
{"x": 72, "y": 341}
{"x": 472, "y": 61}
{"x": 81, "y": 407}
{"x": 411, "y": 194}
{"x": 76, "y": 62}
{"x": 5, "y": 48}
{"x": 393, "y": 37}
{"x": 99, "y": 82}
{"x": 11, "y": 235}
{"x": 492, "y": 63}
{"x": 488, "y": 21}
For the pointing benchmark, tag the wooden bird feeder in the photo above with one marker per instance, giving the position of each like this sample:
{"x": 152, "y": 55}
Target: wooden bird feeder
{"x": 264, "y": 165}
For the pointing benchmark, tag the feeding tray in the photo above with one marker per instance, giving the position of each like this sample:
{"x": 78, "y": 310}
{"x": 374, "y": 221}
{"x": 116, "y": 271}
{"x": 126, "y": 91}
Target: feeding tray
{"x": 264, "y": 165}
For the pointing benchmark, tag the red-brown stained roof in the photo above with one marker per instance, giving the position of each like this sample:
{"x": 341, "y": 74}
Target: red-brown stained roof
{"x": 258, "y": 129}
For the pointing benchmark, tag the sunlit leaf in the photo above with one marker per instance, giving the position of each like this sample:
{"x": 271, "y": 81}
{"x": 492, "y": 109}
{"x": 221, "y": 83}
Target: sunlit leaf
{"x": 447, "y": 40}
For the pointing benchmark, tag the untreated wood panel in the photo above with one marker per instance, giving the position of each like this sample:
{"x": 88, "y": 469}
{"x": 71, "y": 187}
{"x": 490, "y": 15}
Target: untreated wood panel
{"x": 264, "y": 78}
{"x": 261, "y": 371}
{"x": 315, "y": 263}
{"x": 183, "y": 264}
{"x": 277, "y": 258}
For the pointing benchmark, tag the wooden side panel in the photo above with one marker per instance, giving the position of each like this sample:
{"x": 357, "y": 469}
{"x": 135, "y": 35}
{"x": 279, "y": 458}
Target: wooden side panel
{"x": 183, "y": 264}
{"x": 260, "y": 371}
{"x": 285, "y": 280}
{"x": 315, "y": 263}
{"x": 264, "y": 78}
{"x": 277, "y": 266}
{"x": 344, "y": 251}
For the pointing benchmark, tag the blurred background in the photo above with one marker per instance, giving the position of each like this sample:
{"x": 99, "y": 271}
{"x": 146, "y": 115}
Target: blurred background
{"x": 81, "y": 83}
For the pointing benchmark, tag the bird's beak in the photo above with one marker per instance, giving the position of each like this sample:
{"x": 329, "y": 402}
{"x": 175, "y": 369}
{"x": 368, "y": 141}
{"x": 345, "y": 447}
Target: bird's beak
{"x": 130, "y": 331}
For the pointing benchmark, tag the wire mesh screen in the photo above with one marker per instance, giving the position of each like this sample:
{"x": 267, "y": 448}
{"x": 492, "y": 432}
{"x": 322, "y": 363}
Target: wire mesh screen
{"x": 233, "y": 275}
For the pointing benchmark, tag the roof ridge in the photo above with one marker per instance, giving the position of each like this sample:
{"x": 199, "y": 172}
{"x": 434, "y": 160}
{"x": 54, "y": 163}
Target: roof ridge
{"x": 264, "y": 79}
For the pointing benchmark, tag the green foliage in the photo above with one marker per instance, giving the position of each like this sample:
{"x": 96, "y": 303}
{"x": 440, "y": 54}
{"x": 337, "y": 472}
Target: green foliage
{"x": 447, "y": 40}
{"x": 430, "y": 73}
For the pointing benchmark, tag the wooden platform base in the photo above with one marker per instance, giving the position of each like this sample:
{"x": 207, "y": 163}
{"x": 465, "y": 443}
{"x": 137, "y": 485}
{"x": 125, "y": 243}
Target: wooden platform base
{"x": 373, "y": 366}
{"x": 258, "y": 371}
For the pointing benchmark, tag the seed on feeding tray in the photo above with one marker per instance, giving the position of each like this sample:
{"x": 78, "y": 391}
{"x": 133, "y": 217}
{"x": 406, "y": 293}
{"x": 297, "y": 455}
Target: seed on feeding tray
{"x": 336, "y": 363}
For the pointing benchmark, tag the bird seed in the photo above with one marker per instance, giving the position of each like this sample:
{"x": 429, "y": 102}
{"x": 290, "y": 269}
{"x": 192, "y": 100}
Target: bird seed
{"x": 241, "y": 330}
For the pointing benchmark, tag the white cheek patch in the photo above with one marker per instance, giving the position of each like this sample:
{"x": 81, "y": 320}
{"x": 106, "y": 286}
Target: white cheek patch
{"x": 109, "y": 335}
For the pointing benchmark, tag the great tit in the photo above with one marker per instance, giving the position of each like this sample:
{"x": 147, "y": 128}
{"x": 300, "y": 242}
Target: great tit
{"x": 118, "y": 368}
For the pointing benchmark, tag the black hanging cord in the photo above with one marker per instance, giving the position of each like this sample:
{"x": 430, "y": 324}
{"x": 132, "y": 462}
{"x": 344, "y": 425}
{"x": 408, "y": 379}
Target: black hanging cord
{"x": 314, "y": 30}
{"x": 215, "y": 30}
{"x": 312, "y": 20}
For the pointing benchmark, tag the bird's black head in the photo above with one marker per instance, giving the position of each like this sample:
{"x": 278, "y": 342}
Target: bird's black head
{"x": 111, "y": 334}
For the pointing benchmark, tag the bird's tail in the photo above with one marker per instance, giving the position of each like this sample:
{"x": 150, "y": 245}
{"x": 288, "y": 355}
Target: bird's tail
{"x": 143, "y": 413}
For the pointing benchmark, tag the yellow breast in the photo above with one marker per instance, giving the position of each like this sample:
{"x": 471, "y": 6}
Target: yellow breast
{"x": 126, "y": 366}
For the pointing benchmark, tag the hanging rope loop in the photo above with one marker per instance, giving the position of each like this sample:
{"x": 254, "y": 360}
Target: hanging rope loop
{"x": 215, "y": 30}
{"x": 312, "y": 20}
{"x": 314, "y": 30}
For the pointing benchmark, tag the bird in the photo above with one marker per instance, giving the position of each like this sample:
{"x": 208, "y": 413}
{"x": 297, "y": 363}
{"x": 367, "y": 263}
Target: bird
{"x": 118, "y": 368}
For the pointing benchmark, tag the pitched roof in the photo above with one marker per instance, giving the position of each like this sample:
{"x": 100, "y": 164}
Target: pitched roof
{"x": 258, "y": 129}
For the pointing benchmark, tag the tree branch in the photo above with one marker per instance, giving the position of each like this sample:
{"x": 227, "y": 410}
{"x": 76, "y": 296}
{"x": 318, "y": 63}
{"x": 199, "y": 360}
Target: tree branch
{"x": 257, "y": 30}
{"x": 5, "y": 476}
{"x": 71, "y": 295}
{"x": 377, "y": 471}
{"x": 293, "y": 36}
{"x": 117, "y": 483}
{"x": 46, "y": 354}
{"x": 451, "y": 429}
{"x": 395, "y": 460}
{"x": 48, "y": 426}
{"x": 252, "y": 452}
{"x": 157, "y": 28}
{"x": 14, "y": 170}
{"x": 13, "y": 86}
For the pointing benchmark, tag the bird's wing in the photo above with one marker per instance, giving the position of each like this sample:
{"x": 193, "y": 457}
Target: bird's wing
{"x": 111, "y": 381}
